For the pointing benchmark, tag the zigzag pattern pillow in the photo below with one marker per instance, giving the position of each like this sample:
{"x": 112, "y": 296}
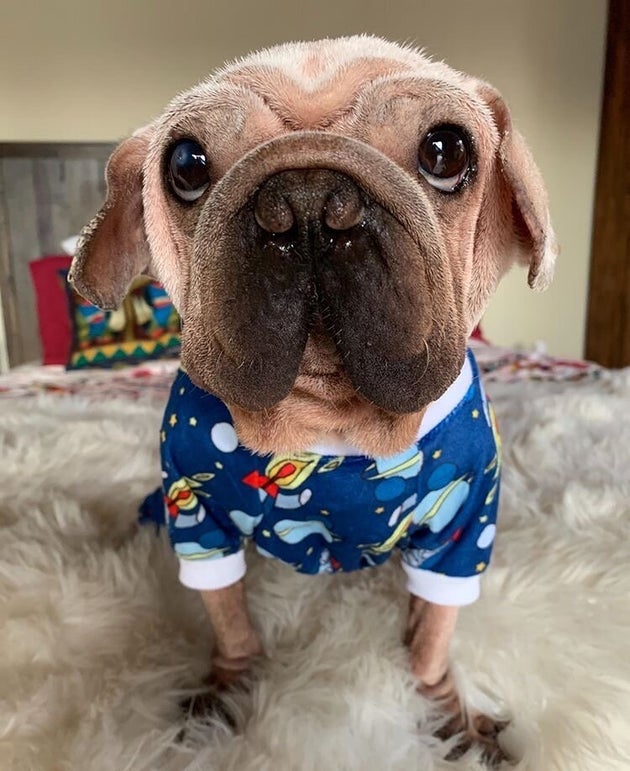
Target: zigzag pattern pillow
{"x": 146, "y": 326}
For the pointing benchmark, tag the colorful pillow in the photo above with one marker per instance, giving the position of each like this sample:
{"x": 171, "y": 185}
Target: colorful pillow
{"x": 146, "y": 326}
{"x": 55, "y": 327}
{"x": 477, "y": 334}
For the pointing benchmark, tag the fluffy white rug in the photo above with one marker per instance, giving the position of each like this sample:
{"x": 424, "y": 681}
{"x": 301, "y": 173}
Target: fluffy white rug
{"x": 98, "y": 642}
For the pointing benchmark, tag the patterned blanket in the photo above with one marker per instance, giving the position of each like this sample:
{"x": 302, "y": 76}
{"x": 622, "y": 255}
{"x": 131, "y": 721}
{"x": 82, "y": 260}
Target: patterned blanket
{"x": 148, "y": 381}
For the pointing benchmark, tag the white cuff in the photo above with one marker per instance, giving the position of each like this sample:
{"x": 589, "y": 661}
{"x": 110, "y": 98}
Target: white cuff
{"x": 212, "y": 573}
{"x": 441, "y": 589}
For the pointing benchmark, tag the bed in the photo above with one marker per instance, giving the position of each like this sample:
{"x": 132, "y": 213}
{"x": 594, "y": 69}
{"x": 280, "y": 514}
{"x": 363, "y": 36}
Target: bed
{"x": 100, "y": 643}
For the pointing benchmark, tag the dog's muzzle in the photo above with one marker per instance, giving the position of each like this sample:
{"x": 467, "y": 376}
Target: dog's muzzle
{"x": 309, "y": 229}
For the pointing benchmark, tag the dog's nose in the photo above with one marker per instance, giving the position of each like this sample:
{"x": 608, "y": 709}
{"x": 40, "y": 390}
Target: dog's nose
{"x": 292, "y": 202}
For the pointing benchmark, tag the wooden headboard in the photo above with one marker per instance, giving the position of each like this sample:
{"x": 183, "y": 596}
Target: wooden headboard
{"x": 48, "y": 191}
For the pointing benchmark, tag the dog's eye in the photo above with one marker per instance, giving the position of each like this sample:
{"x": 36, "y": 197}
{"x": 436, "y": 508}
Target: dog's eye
{"x": 444, "y": 158}
{"x": 188, "y": 170}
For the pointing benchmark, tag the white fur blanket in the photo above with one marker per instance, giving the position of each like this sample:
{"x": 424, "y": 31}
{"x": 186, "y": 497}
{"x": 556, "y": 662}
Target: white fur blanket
{"x": 98, "y": 642}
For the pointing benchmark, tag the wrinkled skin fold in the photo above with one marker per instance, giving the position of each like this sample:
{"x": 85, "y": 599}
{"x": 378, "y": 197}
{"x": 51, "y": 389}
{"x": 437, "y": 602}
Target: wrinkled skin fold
{"x": 378, "y": 289}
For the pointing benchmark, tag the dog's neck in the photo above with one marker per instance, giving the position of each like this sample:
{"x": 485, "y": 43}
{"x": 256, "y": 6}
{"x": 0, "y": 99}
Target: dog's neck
{"x": 305, "y": 423}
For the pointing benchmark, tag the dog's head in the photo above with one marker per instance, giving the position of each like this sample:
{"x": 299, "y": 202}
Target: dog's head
{"x": 329, "y": 218}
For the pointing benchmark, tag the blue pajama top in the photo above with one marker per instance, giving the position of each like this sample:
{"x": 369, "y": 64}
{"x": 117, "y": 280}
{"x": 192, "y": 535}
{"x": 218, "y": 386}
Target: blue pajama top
{"x": 436, "y": 502}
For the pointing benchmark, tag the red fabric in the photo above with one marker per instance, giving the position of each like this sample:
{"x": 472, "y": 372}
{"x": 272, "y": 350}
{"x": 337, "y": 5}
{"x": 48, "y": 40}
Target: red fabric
{"x": 477, "y": 334}
{"x": 53, "y": 314}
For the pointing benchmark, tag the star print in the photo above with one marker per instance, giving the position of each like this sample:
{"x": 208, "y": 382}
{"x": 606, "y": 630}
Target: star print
{"x": 218, "y": 465}
{"x": 163, "y": 435}
{"x": 325, "y": 512}
{"x": 475, "y": 414}
{"x": 192, "y": 421}
{"x": 182, "y": 391}
{"x": 266, "y": 533}
{"x": 173, "y": 420}
{"x": 437, "y": 454}
{"x": 309, "y": 551}
{"x": 480, "y": 566}
{"x": 380, "y": 510}
{"x": 484, "y": 518}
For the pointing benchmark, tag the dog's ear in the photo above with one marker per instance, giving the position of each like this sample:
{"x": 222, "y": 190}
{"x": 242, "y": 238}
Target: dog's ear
{"x": 113, "y": 248}
{"x": 531, "y": 223}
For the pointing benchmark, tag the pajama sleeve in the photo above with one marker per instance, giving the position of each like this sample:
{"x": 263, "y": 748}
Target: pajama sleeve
{"x": 207, "y": 542}
{"x": 208, "y": 545}
{"x": 451, "y": 546}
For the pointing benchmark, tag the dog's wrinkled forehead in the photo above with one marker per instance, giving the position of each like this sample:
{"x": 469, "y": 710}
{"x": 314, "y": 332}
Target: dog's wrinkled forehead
{"x": 363, "y": 87}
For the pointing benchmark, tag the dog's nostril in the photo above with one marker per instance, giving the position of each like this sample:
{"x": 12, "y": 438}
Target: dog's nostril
{"x": 273, "y": 213}
{"x": 344, "y": 208}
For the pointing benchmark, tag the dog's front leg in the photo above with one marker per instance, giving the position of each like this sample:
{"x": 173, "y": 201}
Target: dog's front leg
{"x": 236, "y": 641}
{"x": 235, "y": 648}
{"x": 430, "y": 628}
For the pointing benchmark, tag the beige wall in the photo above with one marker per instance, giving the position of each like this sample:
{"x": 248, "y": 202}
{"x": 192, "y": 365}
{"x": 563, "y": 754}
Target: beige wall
{"x": 90, "y": 70}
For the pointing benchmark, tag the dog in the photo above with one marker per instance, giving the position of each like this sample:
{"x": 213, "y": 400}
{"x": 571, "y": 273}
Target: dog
{"x": 330, "y": 219}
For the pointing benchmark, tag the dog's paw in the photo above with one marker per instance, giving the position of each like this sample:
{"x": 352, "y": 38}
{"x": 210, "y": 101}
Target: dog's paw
{"x": 218, "y": 702}
{"x": 228, "y": 677}
{"x": 472, "y": 728}
{"x": 475, "y": 730}
{"x": 209, "y": 704}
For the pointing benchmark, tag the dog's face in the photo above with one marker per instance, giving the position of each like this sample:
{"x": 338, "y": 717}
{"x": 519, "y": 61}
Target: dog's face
{"x": 330, "y": 219}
